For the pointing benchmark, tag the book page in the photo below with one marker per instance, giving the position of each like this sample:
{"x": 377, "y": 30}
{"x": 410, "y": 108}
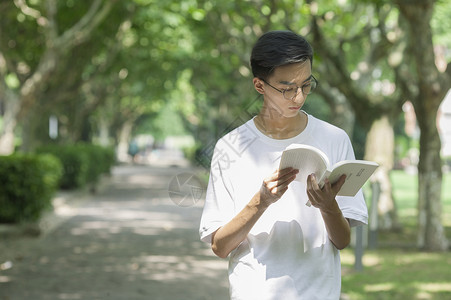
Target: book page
{"x": 307, "y": 159}
{"x": 357, "y": 173}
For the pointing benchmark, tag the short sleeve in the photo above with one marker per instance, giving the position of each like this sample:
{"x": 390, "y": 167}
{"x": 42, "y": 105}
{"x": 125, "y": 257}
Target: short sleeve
{"x": 353, "y": 208}
{"x": 219, "y": 206}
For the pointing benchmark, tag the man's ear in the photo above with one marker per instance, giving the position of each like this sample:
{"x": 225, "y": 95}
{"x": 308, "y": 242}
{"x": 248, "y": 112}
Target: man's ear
{"x": 258, "y": 85}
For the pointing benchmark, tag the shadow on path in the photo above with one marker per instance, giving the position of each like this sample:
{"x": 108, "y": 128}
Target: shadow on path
{"x": 130, "y": 241}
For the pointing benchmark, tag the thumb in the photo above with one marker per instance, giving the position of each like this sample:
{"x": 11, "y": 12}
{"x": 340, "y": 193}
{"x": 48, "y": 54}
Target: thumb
{"x": 337, "y": 185}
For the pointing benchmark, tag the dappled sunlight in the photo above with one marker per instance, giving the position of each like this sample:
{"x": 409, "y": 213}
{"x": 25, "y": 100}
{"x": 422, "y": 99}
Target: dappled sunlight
{"x": 421, "y": 290}
{"x": 432, "y": 290}
{"x": 175, "y": 268}
{"x": 398, "y": 274}
{"x": 420, "y": 257}
{"x": 434, "y": 287}
{"x": 66, "y": 296}
{"x": 380, "y": 287}
{"x": 369, "y": 259}
{"x": 139, "y": 222}
{"x": 145, "y": 181}
{"x": 347, "y": 257}
{"x": 140, "y": 181}
{"x": 423, "y": 296}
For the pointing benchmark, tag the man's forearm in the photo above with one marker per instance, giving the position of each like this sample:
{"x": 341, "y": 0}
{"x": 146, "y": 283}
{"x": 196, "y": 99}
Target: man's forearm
{"x": 337, "y": 227}
{"x": 230, "y": 236}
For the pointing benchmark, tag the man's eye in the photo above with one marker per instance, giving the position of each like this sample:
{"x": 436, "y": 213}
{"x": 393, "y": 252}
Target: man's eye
{"x": 307, "y": 84}
{"x": 288, "y": 89}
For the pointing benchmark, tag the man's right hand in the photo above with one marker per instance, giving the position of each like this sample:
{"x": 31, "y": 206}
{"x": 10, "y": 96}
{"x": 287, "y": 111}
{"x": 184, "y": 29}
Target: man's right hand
{"x": 275, "y": 185}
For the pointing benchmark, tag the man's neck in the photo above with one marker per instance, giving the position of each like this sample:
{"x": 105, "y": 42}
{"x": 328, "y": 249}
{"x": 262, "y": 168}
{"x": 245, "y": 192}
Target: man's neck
{"x": 279, "y": 127}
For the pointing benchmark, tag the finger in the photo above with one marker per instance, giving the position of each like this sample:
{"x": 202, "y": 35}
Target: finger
{"x": 313, "y": 182}
{"x": 337, "y": 185}
{"x": 286, "y": 182}
{"x": 312, "y": 198}
{"x": 278, "y": 184}
{"x": 278, "y": 173}
{"x": 279, "y": 190}
{"x": 313, "y": 189}
{"x": 285, "y": 176}
{"x": 309, "y": 183}
{"x": 327, "y": 187}
{"x": 288, "y": 177}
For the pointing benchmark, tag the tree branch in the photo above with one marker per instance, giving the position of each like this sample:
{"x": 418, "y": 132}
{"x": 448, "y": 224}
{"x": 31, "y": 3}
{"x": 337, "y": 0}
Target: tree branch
{"x": 3, "y": 69}
{"x": 78, "y": 33}
{"x": 51, "y": 28}
{"x": 31, "y": 12}
{"x": 339, "y": 77}
{"x": 6, "y": 64}
{"x": 448, "y": 71}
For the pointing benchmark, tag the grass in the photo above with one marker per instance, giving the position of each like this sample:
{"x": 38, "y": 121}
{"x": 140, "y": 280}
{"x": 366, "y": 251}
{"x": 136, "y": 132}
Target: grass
{"x": 397, "y": 274}
{"x": 397, "y": 270}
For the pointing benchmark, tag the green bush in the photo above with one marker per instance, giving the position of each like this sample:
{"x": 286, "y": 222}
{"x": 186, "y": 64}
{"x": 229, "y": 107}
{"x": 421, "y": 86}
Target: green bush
{"x": 82, "y": 163}
{"x": 28, "y": 184}
{"x": 100, "y": 160}
{"x": 75, "y": 164}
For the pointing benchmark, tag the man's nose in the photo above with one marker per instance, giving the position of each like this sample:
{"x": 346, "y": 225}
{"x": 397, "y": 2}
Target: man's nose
{"x": 299, "y": 97}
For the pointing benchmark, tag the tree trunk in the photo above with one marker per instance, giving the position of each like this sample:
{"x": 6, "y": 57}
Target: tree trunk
{"x": 431, "y": 235}
{"x": 12, "y": 108}
{"x": 427, "y": 90}
{"x": 123, "y": 141}
{"x": 103, "y": 131}
{"x": 379, "y": 147}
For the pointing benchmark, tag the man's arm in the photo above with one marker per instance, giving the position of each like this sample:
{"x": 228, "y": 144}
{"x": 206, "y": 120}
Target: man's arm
{"x": 337, "y": 226}
{"x": 228, "y": 237}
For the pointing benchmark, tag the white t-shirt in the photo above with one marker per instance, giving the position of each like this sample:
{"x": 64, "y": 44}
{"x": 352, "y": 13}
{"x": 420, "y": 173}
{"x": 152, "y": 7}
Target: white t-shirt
{"x": 287, "y": 254}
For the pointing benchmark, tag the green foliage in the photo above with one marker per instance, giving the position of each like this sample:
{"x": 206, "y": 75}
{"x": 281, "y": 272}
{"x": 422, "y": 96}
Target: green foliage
{"x": 402, "y": 146}
{"x": 28, "y": 184}
{"x": 82, "y": 163}
{"x": 75, "y": 164}
{"x": 153, "y": 61}
{"x": 100, "y": 160}
{"x": 441, "y": 22}
{"x": 166, "y": 122}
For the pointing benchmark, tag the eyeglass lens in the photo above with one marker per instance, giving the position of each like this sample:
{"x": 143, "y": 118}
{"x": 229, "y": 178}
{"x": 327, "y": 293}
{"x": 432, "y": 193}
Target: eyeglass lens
{"x": 306, "y": 89}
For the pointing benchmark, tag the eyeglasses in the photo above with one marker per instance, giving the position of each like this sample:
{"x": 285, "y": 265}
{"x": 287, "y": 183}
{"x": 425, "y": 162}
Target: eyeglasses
{"x": 292, "y": 92}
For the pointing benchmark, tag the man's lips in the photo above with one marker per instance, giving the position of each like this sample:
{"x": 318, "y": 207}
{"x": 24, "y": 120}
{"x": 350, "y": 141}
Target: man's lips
{"x": 294, "y": 107}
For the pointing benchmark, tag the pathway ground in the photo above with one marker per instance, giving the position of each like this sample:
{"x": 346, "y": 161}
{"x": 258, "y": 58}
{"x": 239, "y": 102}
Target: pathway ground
{"x": 129, "y": 241}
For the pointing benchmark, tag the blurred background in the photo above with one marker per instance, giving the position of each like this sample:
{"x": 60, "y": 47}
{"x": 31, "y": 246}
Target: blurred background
{"x": 87, "y": 85}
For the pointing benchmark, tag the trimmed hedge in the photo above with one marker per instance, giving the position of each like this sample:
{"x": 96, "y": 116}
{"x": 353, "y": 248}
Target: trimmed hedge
{"x": 101, "y": 159}
{"x": 28, "y": 182}
{"x": 82, "y": 163}
{"x": 75, "y": 165}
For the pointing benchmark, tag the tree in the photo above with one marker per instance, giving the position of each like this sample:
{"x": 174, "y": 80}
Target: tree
{"x": 426, "y": 87}
{"x": 27, "y": 67}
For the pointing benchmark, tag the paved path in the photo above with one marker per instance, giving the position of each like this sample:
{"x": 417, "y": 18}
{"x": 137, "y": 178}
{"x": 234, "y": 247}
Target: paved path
{"x": 130, "y": 241}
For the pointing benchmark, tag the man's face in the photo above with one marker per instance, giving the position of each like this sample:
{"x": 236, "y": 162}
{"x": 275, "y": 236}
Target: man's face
{"x": 289, "y": 78}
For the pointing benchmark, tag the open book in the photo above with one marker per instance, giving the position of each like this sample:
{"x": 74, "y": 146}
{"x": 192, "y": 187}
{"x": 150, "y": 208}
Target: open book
{"x": 311, "y": 160}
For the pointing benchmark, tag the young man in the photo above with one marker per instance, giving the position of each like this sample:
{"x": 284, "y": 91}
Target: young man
{"x": 278, "y": 247}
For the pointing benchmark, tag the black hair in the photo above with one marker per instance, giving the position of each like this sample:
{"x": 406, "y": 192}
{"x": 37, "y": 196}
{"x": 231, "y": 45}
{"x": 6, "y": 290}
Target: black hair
{"x": 277, "y": 48}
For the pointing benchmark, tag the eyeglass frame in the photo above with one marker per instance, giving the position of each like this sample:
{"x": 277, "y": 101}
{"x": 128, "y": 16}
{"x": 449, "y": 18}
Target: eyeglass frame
{"x": 297, "y": 88}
